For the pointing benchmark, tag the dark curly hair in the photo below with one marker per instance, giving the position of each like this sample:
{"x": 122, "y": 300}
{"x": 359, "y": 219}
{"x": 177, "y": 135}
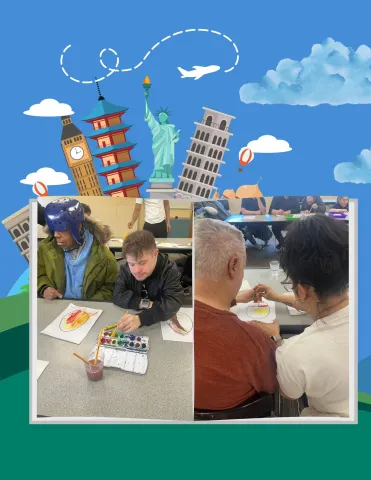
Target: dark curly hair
{"x": 316, "y": 253}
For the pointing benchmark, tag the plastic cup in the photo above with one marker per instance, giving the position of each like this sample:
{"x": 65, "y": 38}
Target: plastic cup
{"x": 274, "y": 265}
{"x": 95, "y": 372}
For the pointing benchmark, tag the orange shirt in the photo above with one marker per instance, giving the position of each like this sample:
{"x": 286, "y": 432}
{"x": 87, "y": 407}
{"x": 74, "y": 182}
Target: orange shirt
{"x": 234, "y": 360}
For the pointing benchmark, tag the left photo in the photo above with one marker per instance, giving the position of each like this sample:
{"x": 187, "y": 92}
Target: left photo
{"x": 112, "y": 309}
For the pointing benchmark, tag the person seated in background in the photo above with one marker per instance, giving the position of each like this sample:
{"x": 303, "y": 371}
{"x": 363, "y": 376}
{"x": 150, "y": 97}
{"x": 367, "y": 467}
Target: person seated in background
{"x": 255, "y": 206}
{"x": 148, "y": 282}
{"x": 282, "y": 206}
{"x": 234, "y": 360}
{"x": 225, "y": 205}
{"x": 73, "y": 262}
{"x": 156, "y": 216}
{"x": 341, "y": 205}
{"x": 315, "y": 256}
{"x": 313, "y": 205}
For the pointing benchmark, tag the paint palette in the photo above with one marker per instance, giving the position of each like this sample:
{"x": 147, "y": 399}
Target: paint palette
{"x": 124, "y": 341}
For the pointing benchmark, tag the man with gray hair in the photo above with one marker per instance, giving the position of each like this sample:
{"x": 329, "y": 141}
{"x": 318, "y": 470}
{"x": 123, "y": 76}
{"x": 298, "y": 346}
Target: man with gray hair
{"x": 234, "y": 360}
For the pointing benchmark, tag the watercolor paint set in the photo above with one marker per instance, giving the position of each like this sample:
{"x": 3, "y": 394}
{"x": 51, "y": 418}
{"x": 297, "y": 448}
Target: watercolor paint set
{"x": 123, "y": 341}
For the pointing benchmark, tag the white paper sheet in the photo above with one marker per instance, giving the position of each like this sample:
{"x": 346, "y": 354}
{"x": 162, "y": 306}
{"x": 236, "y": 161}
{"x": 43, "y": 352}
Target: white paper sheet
{"x": 249, "y": 217}
{"x": 244, "y": 286}
{"x": 251, "y": 311}
{"x": 293, "y": 311}
{"x": 167, "y": 244}
{"x": 185, "y": 318}
{"x": 40, "y": 367}
{"x": 64, "y": 328}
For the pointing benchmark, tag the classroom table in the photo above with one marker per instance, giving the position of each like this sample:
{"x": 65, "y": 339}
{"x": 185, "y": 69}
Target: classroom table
{"x": 164, "y": 392}
{"x": 289, "y": 324}
{"x": 166, "y": 245}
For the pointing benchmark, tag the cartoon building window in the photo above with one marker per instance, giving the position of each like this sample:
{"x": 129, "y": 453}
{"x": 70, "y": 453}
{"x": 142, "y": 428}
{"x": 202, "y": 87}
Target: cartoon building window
{"x": 215, "y": 153}
{"x": 211, "y": 167}
{"x": 193, "y": 147}
{"x": 224, "y": 142}
{"x": 210, "y": 152}
{"x": 198, "y": 190}
{"x": 203, "y": 150}
{"x": 208, "y": 194}
{"x": 198, "y": 148}
{"x": 202, "y": 135}
{"x": 209, "y": 120}
{"x": 219, "y": 140}
{"x": 190, "y": 174}
{"x": 198, "y": 162}
{"x": 186, "y": 187}
{"x": 24, "y": 244}
{"x": 214, "y": 139}
{"x": 26, "y": 227}
{"x": 203, "y": 192}
{"x": 185, "y": 173}
{"x": 220, "y": 155}
{"x": 181, "y": 185}
{"x": 194, "y": 161}
{"x": 216, "y": 168}
{"x": 206, "y": 165}
{"x": 207, "y": 179}
{"x": 202, "y": 178}
{"x": 207, "y": 137}
{"x": 16, "y": 233}
{"x": 190, "y": 188}
{"x": 189, "y": 161}
{"x": 194, "y": 176}
{"x": 198, "y": 134}
{"x": 222, "y": 125}
{"x": 212, "y": 181}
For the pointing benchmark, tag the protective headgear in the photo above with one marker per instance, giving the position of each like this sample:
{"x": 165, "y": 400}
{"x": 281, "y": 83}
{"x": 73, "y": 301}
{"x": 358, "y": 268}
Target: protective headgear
{"x": 65, "y": 214}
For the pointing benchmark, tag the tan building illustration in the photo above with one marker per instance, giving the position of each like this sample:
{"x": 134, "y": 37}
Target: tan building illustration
{"x": 79, "y": 159}
{"x": 18, "y": 225}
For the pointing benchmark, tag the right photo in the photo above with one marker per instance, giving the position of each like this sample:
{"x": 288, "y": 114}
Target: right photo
{"x": 272, "y": 308}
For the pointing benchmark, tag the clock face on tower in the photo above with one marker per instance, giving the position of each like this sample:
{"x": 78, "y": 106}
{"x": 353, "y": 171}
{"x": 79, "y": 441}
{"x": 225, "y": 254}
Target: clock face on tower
{"x": 77, "y": 153}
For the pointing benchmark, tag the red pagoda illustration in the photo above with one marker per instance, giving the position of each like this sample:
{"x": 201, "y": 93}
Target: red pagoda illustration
{"x": 113, "y": 149}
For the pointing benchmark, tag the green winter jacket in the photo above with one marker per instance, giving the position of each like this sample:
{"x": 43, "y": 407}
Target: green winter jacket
{"x": 100, "y": 273}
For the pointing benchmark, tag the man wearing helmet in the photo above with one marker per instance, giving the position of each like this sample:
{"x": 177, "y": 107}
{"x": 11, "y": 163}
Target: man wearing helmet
{"x": 73, "y": 261}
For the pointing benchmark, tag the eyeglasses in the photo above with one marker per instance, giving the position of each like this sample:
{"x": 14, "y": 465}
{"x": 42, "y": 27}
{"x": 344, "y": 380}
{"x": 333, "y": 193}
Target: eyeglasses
{"x": 287, "y": 285}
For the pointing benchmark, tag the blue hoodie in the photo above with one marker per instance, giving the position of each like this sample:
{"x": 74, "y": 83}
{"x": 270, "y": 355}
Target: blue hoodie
{"x": 75, "y": 269}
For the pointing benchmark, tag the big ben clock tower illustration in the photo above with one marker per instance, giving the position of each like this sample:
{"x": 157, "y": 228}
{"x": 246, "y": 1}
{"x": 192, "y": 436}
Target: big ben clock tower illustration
{"x": 79, "y": 159}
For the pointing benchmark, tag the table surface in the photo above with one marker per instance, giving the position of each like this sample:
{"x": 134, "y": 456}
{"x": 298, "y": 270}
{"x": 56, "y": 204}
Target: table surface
{"x": 267, "y": 218}
{"x": 63, "y": 389}
{"x": 289, "y": 323}
{"x": 181, "y": 243}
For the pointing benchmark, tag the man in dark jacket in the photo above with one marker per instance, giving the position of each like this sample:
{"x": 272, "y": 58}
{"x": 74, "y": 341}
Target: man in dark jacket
{"x": 148, "y": 282}
{"x": 283, "y": 206}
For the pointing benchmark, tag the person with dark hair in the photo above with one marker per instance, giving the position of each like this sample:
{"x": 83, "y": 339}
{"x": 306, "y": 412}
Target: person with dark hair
{"x": 282, "y": 206}
{"x": 341, "y": 205}
{"x": 148, "y": 281}
{"x": 313, "y": 204}
{"x": 255, "y": 206}
{"x": 73, "y": 262}
{"x": 315, "y": 256}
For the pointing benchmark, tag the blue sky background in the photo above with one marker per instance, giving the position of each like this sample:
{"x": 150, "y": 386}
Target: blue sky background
{"x": 265, "y": 33}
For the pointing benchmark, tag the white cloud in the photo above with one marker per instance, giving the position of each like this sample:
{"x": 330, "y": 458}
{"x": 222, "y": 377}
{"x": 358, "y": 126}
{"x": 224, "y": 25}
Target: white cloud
{"x": 332, "y": 74}
{"x": 49, "y": 108}
{"x": 269, "y": 144}
{"x": 48, "y": 176}
{"x": 358, "y": 171}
